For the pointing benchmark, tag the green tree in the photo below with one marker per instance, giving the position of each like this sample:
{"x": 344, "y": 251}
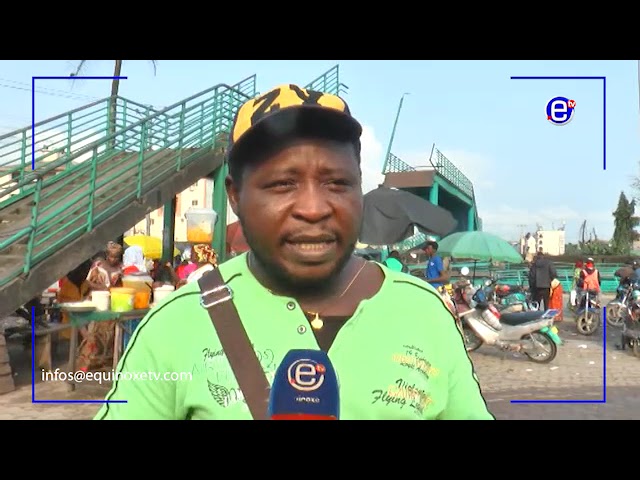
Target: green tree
{"x": 115, "y": 87}
{"x": 625, "y": 224}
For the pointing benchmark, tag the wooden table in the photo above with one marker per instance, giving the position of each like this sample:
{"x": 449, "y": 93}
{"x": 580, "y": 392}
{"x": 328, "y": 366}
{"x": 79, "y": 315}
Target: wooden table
{"x": 80, "y": 319}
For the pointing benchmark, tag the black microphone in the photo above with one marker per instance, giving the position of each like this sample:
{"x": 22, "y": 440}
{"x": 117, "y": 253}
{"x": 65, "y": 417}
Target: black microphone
{"x": 305, "y": 387}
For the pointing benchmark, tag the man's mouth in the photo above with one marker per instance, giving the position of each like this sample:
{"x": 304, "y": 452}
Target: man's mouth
{"x": 311, "y": 245}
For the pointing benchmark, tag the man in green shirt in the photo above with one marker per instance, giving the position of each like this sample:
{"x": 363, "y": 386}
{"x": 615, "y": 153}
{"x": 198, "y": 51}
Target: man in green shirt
{"x": 295, "y": 184}
{"x": 394, "y": 262}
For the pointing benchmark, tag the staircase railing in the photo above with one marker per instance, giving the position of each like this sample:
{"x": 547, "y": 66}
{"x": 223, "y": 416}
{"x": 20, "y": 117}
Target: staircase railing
{"x": 451, "y": 173}
{"x": 329, "y": 82}
{"x": 60, "y": 137}
{"x": 184, "y": 131}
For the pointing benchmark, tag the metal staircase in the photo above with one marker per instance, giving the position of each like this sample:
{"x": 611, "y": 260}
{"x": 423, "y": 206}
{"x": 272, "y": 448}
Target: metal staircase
{"x": 93, "y": 179}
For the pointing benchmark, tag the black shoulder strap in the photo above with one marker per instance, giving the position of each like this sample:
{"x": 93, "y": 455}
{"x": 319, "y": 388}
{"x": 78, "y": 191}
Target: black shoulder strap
{"x": 217, "y": 298}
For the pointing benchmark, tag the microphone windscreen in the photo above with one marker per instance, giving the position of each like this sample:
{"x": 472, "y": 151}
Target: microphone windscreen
{"x": 305, "y": 387}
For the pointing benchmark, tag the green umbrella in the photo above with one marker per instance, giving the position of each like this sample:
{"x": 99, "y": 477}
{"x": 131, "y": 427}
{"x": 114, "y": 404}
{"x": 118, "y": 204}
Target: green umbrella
{"x": 478, "y": 246}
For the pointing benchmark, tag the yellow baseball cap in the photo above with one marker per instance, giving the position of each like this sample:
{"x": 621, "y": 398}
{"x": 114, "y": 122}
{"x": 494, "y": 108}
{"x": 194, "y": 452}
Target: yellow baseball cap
{"x": 287, "y": 109}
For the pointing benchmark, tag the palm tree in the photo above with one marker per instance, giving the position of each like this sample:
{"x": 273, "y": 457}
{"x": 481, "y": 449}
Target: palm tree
{"x": 115, "y": 86}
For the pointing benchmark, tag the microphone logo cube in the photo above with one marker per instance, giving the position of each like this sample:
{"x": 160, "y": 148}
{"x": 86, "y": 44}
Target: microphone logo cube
{"x": 306, "y": 375}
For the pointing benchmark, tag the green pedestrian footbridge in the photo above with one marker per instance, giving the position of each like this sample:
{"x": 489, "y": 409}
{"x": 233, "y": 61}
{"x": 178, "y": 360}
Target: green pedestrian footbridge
{"x": 101, "y": 173}
{"x": 441, "y": 183}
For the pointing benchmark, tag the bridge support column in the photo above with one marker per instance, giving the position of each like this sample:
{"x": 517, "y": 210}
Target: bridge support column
{"x": 219, "y": 243}
{"x": 434, "y": 193}
{"x": 471, "y": 216}
{"x": 169, "y": 230}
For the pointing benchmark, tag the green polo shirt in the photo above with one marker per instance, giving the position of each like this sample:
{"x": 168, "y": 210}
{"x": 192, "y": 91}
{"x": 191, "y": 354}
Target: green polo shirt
{"x": 399, "y": 357}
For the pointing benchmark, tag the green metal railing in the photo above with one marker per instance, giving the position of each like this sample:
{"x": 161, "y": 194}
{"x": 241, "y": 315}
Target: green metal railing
{"x": 329, "y": 82}
{"x": 410, "y": 243}
{"x": 61, "y": 137}
{"x": 450, "y": 172}
{"x": 441, "y": 164}
{"x": 444, "y": 168}
{"x": 519, "y": 274}
{"x": 396, "y": 165}
{"x": 147, "y": 147}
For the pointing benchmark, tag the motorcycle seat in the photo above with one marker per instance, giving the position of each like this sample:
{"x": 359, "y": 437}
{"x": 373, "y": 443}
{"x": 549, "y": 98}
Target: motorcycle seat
{"x": 518, "y": 318}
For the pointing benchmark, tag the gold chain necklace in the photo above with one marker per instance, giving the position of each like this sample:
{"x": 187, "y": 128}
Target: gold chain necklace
{"x": 317, "y": 323}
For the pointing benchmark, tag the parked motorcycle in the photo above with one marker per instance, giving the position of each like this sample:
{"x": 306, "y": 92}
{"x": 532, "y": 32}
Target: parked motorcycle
{"x": 617, "y": 307}
{"x": 630, "y": 335}
{"x": 509, "y": 294}
{"x": 588, "y": 312}
{"x": 531, "y": 332}
{"x": 509, "y": 298}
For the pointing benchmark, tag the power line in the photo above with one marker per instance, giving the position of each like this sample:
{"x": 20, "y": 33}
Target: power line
{"x": 45, "y": 91}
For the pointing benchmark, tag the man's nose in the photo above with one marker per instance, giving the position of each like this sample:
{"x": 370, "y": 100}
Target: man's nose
{"x": 312, "y": 204}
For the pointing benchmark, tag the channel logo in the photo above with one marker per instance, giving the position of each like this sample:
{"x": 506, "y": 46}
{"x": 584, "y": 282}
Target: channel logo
{"x": 560, "y": 110}
{"x": 306, "y": 375}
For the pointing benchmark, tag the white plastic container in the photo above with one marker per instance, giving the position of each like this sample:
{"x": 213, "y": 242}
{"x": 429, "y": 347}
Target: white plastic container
{"x": 200, "y": 224}
{"x": 101, "y": 299}
{"x": 160, "y": 293}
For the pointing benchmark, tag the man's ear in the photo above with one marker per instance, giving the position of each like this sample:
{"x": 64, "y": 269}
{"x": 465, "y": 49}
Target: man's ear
{"x": 232, "y": 193}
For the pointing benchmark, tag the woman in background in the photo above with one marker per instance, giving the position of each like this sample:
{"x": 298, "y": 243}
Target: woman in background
{"x": 133, "y": 261}
{"x": 555, "y": 299}
{"x": 97, "y": 346}
{"x": 108, "y": 273}
{"x": 205, "y": 258}
{"x": 74, "y": 288}
{"x": 165, "y": 275}
{"x": 187, "y": 267}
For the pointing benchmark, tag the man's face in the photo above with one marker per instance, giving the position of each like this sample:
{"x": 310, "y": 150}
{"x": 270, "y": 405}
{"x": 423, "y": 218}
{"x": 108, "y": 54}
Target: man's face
{"x": 301, "y": 210}
{"x": 429, "y": 250}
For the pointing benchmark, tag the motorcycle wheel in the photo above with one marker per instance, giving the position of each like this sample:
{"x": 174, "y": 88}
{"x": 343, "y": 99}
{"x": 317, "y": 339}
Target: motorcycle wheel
{"x": 548, "y": 344}
{"x": 471, "y": 341}
{"x": 588, "y": 323}
{"x": 614, "y": 314}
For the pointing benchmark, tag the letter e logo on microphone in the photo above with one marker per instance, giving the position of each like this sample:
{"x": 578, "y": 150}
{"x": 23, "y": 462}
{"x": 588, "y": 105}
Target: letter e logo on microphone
{"x": 560, "y": 110}
{"x": 306, "y": 375}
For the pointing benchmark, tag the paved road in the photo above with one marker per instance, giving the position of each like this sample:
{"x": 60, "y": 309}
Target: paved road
{"x": 576, "y": 373}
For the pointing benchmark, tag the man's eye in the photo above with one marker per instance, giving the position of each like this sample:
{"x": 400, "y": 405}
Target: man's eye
{"x": 280, "y": 184}
{"x": 339, "y": 184}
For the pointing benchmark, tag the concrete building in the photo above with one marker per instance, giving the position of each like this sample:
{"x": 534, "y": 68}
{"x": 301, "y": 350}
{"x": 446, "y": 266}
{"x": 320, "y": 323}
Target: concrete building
{"x": 552, "y": 242}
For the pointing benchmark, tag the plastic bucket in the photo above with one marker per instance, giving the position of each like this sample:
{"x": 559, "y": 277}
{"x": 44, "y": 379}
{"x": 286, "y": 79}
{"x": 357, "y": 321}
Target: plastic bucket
{"x": 101, "y": 299}
{"x": 142, "y": 285}
{"x": 160, "y": 293}
{"x": 141, "y": 299}
{"x": 122, "y": 299}
{"x": 200, "y": 224}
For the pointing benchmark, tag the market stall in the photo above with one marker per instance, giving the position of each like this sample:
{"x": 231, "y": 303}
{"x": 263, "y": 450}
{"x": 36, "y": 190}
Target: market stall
{"x": 80, "y": 318}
